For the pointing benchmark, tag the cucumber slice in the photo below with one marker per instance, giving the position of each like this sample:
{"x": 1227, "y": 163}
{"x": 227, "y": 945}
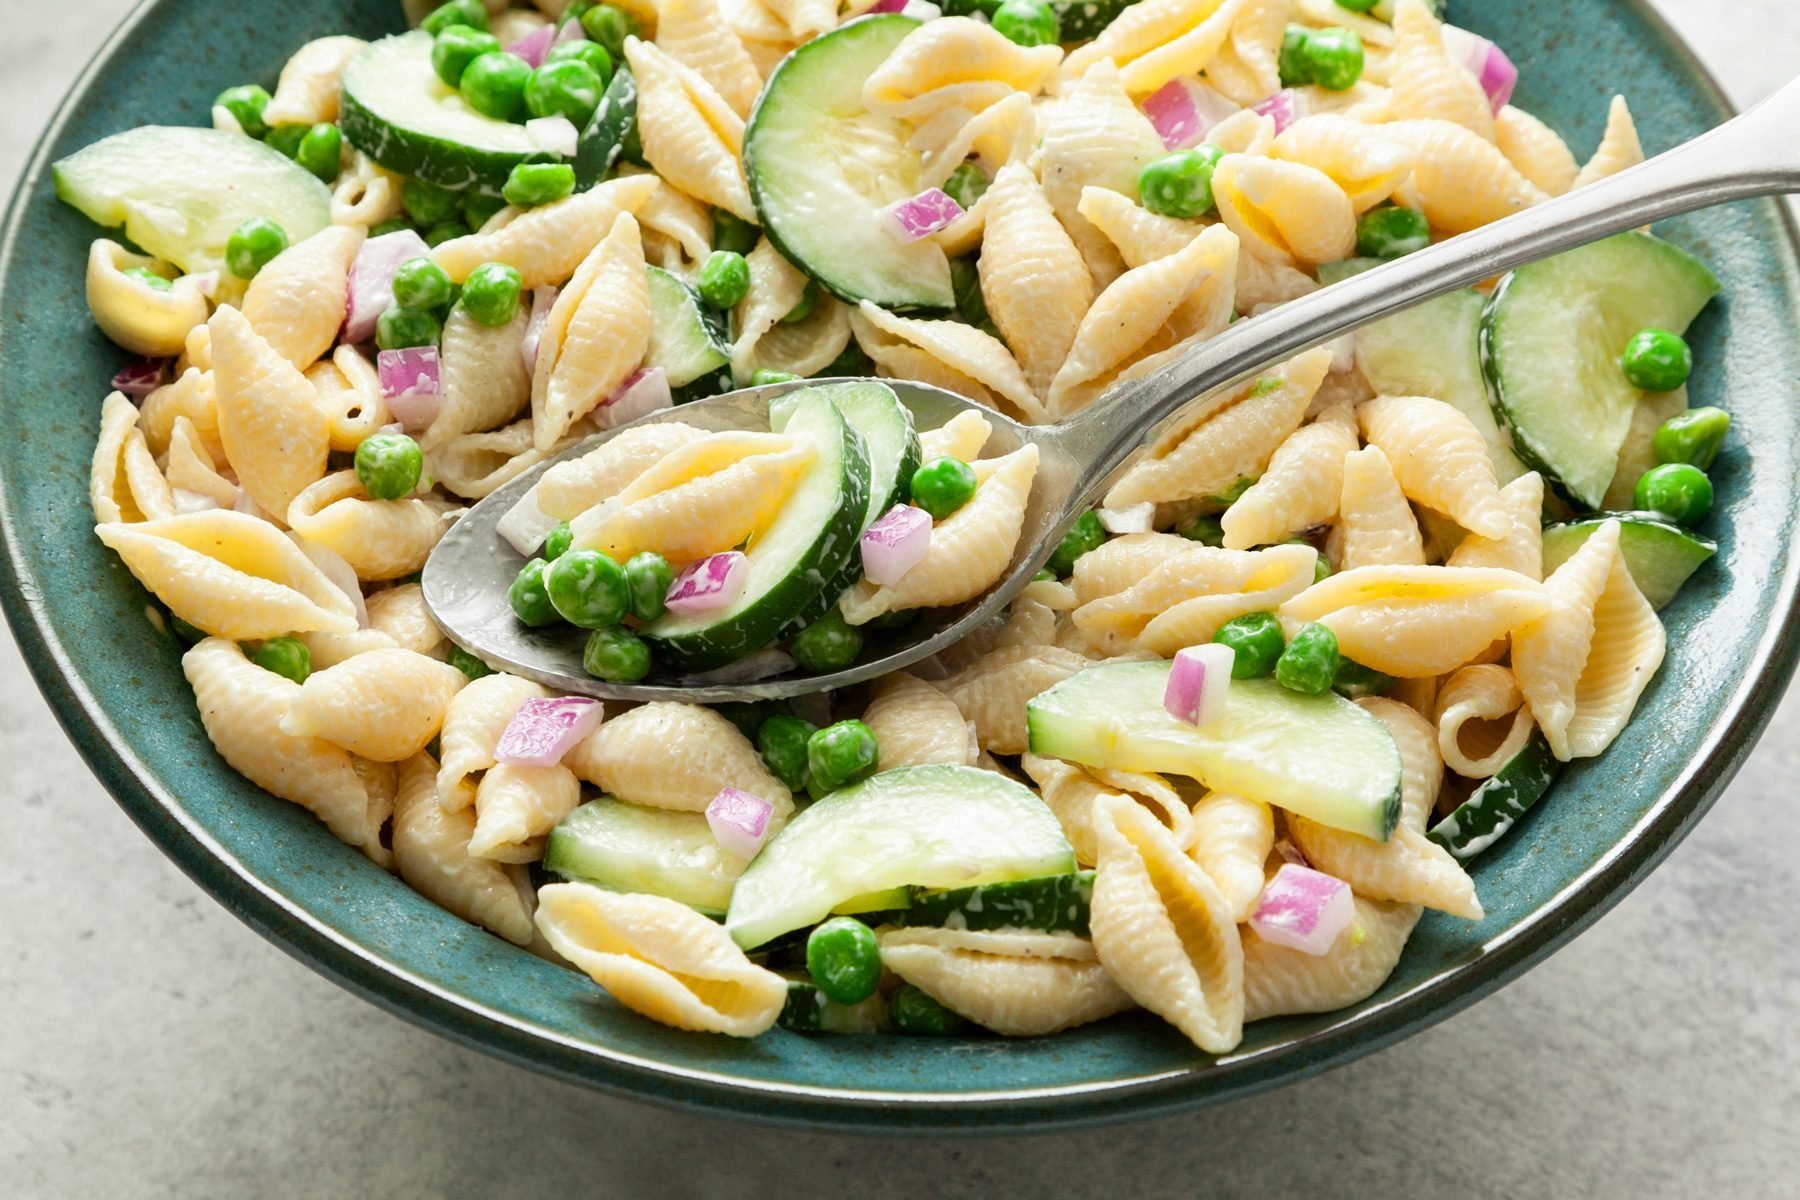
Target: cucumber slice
{"x": 1054, "y": 904}
{"x": 179, "y": 192}
{"x": 1660, "y": 554}
{"x": 820, "y": 165}
{"x": 1319, "y": 756}
{"x": 809, "y": 1010}
{"x": 398, "y": 112}
{"x": 631, "y": 848}
{"x": 687, "y": 339}
{"x": 805, "y": 548}
{"x": 1492, "y": 808}
{"x": 602, "y": 143}
{"x": 934, "y": 827}
{"x": 1550, "y": 343}
{"x": 1432, "y": 350}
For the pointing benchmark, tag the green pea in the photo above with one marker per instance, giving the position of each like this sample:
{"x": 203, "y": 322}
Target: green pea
{"x": 187, "y": 632}
{"x": 557, "y": 541}
{"x": 529, "y": 598}
{"x": 1679, "y": 491}
{"x": 942, "y": 486}
{"x": 455, "y": 12}
{"x": 389, "y": 465}
{"x": 967, "y": 184}
{"x": 286, "y": 138}
{"x": 1204, "y": 529}
{"x": 610, "y": 27}
{"x": 1391, "y": 231}
{"x": 724, "y": 279}
{"x": 765, "y": 376}
{"x": 468, "y": 664}
{"x": 532, "y": 184}
{"x": 479, "y": 208}
{"x": 965, "y": 285}
{"x": 494, "y": 85}
{"x": 1360, "y": 6}
{"x": 1086, "y": 534}
{"x": 286, "y": 656}
{"x": 427, "y": 204}
{"x": 649, "y": 577}
{"x": 321, "y": 151}
{"x": 782, "y": 742}
{"x": 1693, "y": 437}
{"x": 1334, "y": 58}
{"x": 809, "y": 300}
{"x": 588, "y": 589}
{"x": 574, "y": 12}
{"x": 914, "y": 1012}
{"x": 1235, "y": 492}
{"x": 731, "y": 232}
{"x": 437, "y": 235}
{"x": 252, "y": 245}
{"x": 399, "y": 328}
{"x": 1310, "y": 662}
{"x": 1294, "y": 64}
{"x": 566, "y": 88}
{"x": 456, "y": 48}
{"x": 149, "y": 279}
{"x": 843, "y": 960}
{"x": 391, "y": 225}
{"x": 616, "y": 654}
{"x": 1321, "y": 569}
{"x": 1027, "y": 23}
{"x": 828, "y": 644}
{"x": 1354, "y": 680}
{"x": 491, "y": 294}
{"x": 593, "y": 54}
{"x": 1656, "y": 360}
{"x": 421, "y": 283}
{"x": 1179, "y": 184}
{"x": 245, "y": 103}
{"x": 840, "y": 755}
{"x": 1256, "y": 640}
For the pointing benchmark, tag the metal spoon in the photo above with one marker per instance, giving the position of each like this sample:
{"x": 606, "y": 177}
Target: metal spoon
{"x": 466, "y": 578}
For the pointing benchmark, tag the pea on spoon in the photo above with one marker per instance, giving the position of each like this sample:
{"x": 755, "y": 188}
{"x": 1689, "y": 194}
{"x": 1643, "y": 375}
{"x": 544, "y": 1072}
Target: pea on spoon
{"x": 466, "y": 578}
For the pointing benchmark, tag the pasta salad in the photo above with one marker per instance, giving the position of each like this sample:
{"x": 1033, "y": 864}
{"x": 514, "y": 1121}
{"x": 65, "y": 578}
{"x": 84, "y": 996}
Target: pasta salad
{"x": 1319, "y": 646}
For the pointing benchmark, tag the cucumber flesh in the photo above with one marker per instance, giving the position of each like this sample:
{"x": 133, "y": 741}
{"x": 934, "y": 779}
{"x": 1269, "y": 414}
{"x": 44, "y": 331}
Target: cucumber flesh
{"x": 1499, "y": 802}
{"x": 1319, "y": 756}
{"x": 180, "y": 192}
{"x": 687, "y": 339}
{"x": 1432, "y": 350}
{"x": 602, "y": 143}
{"x": 1660, "y": 554}
{"x": 631, "y": 848}
{"x": 1550, "y": 343}
{"x": 930, "y": 827}
{"x": 1054, "y": 904}
{"x": 791, "y": 562}
{"x": 820, "y": 166}
{"x": 397, "y": 111}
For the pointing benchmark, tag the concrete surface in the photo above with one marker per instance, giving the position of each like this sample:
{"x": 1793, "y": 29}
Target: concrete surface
{"x": 152, "y": 1046}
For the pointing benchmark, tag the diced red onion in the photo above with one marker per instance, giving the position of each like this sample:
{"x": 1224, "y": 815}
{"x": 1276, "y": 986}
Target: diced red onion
{"x": 922, "y": 215}
{"x": 710, "y": 584}
{"x": 525, "y": 525}
{"x": 372, "y": 280}
{"x": 1284, "y": 107}
{"x": 534, "y": 45}
{"x": 764, "y": 664}
{"x": 141, "y": 377}
{"x": 557, "y": 135}
{"x": 1303, "y": 909}
{"x": 1183, "y": 111}
{"x": 895, "y": 544}
{"x": 739, "y": 821}
{"x": 887, "y": 6}
{"x": 545, "y": 728}
{"x": 1138, "y": 518}
{"x": 206, "y": 283}
{"x": 1199, "y": 683}
{"x": 569, "y": 31}
{"x": 409, "y": 385}
{"x": 643, "y": 392}
{"x": 1484, "y": 60}
{"x": 542, "y": 298}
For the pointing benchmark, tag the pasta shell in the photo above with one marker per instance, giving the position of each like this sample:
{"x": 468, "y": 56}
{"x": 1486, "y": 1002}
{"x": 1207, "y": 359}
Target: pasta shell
{"x": 1425, "y": 82}
{"x": 1300, "y": 488}
{"x": 1150, "y": 27}
{"x": 1094, "y": 137}
{"x": 661, "y": 959}
{"x": 1118, "y": 565}
{"x": 1619, "y": 146}
{"x": 546, "y": 244}
{"x": 992, "y": 691}
{"x": 956, "y": 62}
{"x": 431, "y": 852}
{"x": 1158, "y": 796}
{"x": 1015, "y": 984}
{"x": 476, "y": 463}
{"x": 400, "y": 613}
{"x": 1287, "y": 212}
{"x": 916, "y": 725}
{"x": 1162, "y": 930}
{"x": 776, "y": 286}
{"x": 243, "y": 708}
{"x": 962, "y": 436}
{"x": 1364, "y": 165}
{"x": 575, "y": 485}
{"x": 970, "y": 549}
{"x": 677, "y": 756}
{"x": 1069, "y": 792}
{"x": 1535, "y": 150}
{"x": 385, "y": 705}
{"x": 269, "y": 424}
{"x": 1375, "y": 525}
{"x": 1482, "y": 720}
{"x": 1232, "y": 837}
{"x": 330, "y": 649}
{"x": 123, "y": 481}
{"x": 1247, "y": 69}
{"x": 192, "y": 468}
{"x": 1184, "y": 601}
{"x": 993, "y": 137}
{"x": 692, "y": 138}
{"x": 1440, "y": 459}
{"x": 190, "y": 396}
{"x": 516, "y": 807}
{"x": 296, "y": 302}
{"x": 1140, "y": 235}
{"x": 366, "y": 193}
{"x": 481, "y": 376}
{"x": 307, "y": 92}
{"x": 231, "y": 575}
{"x": 1522, "y": 549}
{"x": 380, "y": 539}
{"x": 348, "y": 391}
{"x": 595, "y": 335}
{"x": 693, "y": 33}
{"x": 1626, "y": 651}
{"x": 473, "y": 722}
{"x": 1281, "y": 981}
{"x": 1033, "y": 279}
{"x": 804, "y": 19}
{"x": 969, "y": 361}
{"x": 1459, "y": 180}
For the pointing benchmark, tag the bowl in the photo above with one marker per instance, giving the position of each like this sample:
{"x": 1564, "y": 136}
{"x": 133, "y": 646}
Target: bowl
{"x": 115, "y": 683}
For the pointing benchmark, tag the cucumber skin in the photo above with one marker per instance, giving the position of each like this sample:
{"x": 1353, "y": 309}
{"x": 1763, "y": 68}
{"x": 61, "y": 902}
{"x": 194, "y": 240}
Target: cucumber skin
{"x": 1053, "y": 903}
{"x": 459, "y": 168}
{"x": 1497, "y": 804}
{"x": 809, "y": 1010}
{"x": 602, "y": 143}
{"x": 1634, "y": 525}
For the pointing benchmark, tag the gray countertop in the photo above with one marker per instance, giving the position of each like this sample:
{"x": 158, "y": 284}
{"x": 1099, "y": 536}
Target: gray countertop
{"x": 150, "y": 1045}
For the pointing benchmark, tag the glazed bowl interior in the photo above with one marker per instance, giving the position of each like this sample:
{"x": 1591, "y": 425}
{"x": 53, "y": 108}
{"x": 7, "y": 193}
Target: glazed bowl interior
{"x": 115, "y": 680}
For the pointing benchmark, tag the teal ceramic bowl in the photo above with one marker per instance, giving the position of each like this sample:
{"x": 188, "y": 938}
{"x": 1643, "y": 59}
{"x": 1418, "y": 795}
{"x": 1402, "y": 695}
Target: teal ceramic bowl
{"x": 116, "y": 684}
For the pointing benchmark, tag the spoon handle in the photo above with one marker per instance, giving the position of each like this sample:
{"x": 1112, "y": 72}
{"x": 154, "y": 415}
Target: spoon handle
{"x": 1755, "y": 154}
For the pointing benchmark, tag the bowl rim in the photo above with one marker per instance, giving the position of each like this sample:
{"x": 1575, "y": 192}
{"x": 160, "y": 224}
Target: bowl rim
{"x": 1486, "y": 967}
